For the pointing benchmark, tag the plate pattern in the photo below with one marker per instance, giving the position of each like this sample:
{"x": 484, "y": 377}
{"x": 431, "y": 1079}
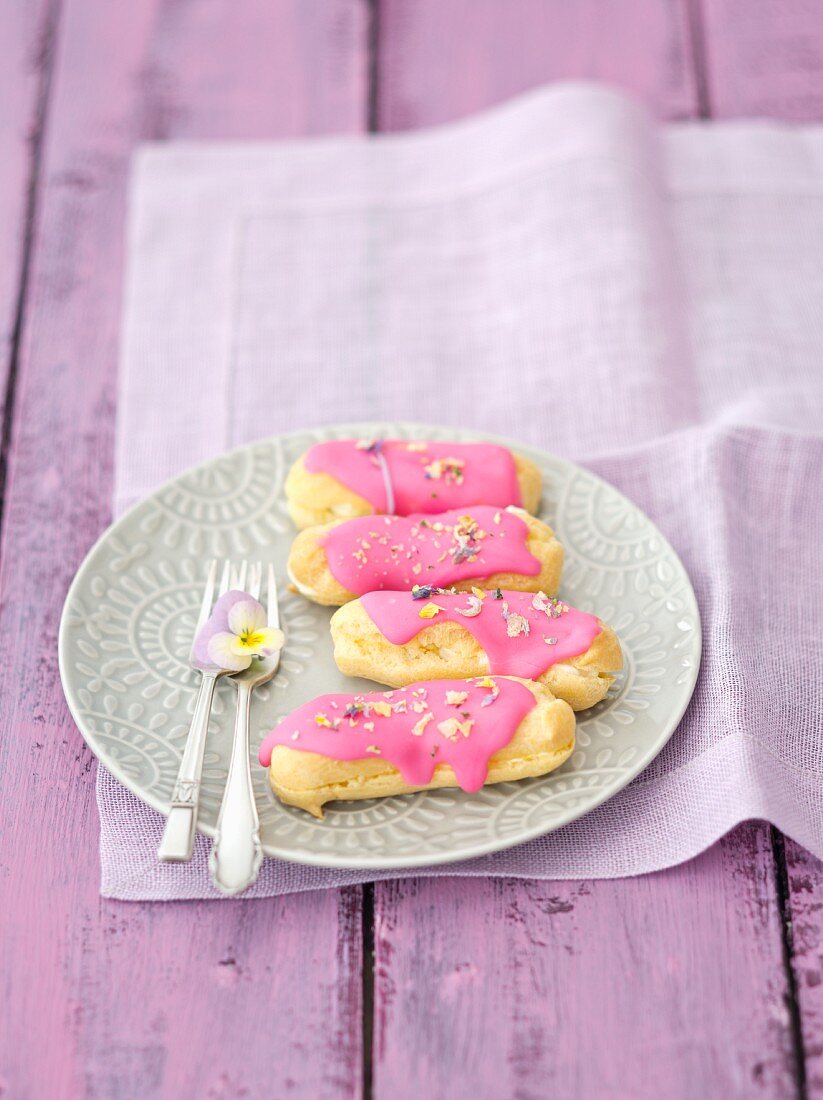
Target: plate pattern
{"x": 130, "y": 614}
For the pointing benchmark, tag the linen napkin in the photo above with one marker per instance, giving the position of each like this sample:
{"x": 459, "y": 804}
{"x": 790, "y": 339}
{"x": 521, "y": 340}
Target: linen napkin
{"x": 645, "y": 299}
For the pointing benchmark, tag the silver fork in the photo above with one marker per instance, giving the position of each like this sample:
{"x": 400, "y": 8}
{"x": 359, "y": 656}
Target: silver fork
{"x": 236, "y": 854}
{"x": 177, "y": 842}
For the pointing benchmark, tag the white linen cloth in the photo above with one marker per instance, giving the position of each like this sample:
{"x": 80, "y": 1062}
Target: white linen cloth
{"x": 645, "y": 299}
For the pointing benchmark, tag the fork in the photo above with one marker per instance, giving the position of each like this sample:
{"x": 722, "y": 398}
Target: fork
{"x": 177, "y": 842}
{"x": 236, "y": 853}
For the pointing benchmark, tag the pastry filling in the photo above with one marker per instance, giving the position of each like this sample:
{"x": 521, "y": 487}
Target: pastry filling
{"x": 521, "y": 633}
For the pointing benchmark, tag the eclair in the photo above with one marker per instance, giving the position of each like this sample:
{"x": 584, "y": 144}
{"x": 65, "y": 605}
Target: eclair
{"x": 399, "y": 637}
{"x": 440, "y": 733}
{"x": 343, "y": 478}
{"x": 484, "y": 547}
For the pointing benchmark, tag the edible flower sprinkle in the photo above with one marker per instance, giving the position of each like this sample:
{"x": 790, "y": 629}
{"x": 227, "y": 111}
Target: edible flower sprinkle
{"x": 467, "y": 536}
{"x": 418, "y": 727}
{"x": 449, "y": 469}
{"x": 423, "y": 591}
{"x": 516, "y": 624}
{"x": 430, "y": 610}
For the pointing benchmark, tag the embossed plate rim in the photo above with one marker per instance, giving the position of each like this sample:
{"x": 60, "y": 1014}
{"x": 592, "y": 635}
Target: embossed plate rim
{"x": 593, "y": 798}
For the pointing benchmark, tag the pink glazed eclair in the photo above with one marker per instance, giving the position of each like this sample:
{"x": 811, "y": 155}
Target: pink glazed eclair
{"x": 484, "y": 546}
{"x": 396, "y": 638}
{"x": 441, "y": 733}
{"x": 343, "y": 478}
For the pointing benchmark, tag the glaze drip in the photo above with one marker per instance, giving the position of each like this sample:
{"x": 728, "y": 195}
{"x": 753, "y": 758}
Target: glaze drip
{"x": 462, "y": 723}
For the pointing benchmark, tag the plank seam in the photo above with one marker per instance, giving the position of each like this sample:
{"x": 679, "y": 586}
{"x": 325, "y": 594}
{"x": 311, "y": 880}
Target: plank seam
{"x": 787, "y": 943}
{"x": 367, "y": 910}
{"x": 367, "y": 1012}
{"x": 694, "y": 17}
{"x": 373, "y": 53}
{"x": 44, "y": 61}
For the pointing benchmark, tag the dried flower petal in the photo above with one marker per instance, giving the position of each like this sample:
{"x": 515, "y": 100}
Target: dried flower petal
{"x": 430, "y": 610}
{"x": 419, "y": 727}
{"x": 452, "y": 728}
{"x": 374, "y": 446}
{"x": 474, "y": 608}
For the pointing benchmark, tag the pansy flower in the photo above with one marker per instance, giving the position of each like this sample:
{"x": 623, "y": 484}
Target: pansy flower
{"x": 236, "y": 633}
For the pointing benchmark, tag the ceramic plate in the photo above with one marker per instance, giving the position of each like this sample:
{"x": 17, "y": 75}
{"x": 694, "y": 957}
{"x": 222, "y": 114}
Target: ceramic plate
{"x": 130, "y": 613}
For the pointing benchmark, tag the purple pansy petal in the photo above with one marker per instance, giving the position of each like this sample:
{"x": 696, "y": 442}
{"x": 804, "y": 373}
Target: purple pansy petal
{"x": 220, "y": 612}
{"x": 216, "y": 623}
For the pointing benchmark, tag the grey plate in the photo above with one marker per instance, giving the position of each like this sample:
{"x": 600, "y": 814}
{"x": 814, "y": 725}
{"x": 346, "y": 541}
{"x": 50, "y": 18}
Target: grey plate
{"x": 130, "y": 613}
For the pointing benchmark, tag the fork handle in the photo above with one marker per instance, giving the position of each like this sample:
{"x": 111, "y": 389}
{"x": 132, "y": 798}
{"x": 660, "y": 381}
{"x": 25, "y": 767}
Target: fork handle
{"x": 236, "y": 854}
{"x": 177, "y": 842}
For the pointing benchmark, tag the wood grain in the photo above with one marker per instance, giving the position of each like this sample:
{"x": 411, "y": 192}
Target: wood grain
{"x": 805, "y": 904}
{"x": 439, "y": 61}
{"x": 763, "y": 58}
{"x": 24, "y": 35}
{"x": 671, "y": 985}
{"x": 136, "y": 1000}
{"x": 667, "y": 985}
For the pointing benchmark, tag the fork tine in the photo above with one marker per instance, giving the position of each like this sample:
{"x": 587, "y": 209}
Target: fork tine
{"x": 255, "y": 577}
{"x": 241, "y": 579}
{"x": 225, "y": 579}
{"x": 273, "y": 610}
{"x": 208, "y": 596}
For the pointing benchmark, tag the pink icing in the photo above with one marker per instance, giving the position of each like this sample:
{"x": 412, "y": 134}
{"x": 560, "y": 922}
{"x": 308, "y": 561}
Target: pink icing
{"x": 397, "y": 616}
{"x": 391, "y": 737}
{"x": 487, "y": 475}
{"x": 396, "y": 552}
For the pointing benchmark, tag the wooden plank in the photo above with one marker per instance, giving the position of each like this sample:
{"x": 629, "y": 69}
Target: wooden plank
{"x": 113, "y": 999}
{"x": 663, "y": 985}
{"x": 805, "y": 909}
{"x": 763, "y": 59}
{"x": 671, "y": 985}
{"x": 766, "y": 60}
{"x": 439, "y": 61}
{"x": 24, "y": 33}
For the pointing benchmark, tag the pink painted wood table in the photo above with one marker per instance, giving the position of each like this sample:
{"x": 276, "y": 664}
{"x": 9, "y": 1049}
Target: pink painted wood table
{"x": 702, "y": 981}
